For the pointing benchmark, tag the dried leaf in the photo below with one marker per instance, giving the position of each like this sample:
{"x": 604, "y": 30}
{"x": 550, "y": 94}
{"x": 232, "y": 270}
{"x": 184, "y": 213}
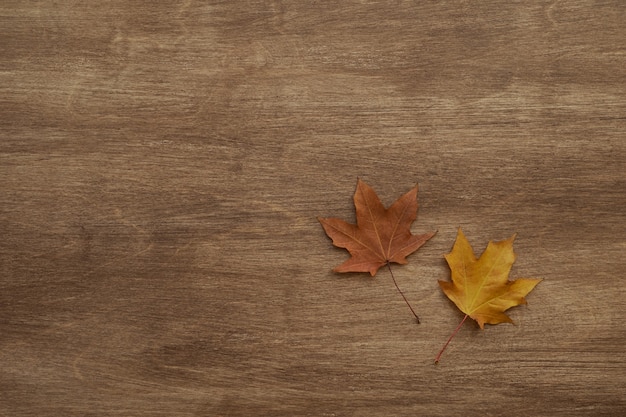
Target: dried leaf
{"x": 380, "y": 236}
{"x": 480, "y": 287}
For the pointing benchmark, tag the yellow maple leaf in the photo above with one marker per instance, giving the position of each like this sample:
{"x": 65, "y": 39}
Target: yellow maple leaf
{"x": 480, "y": 287}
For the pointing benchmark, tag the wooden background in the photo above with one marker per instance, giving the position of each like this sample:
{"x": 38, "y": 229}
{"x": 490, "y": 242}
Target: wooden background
{"x": 163, "y": 163}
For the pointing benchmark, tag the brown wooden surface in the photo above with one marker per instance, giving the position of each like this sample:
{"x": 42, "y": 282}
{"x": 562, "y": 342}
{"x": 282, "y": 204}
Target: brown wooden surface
{"x": 163, "y": 163}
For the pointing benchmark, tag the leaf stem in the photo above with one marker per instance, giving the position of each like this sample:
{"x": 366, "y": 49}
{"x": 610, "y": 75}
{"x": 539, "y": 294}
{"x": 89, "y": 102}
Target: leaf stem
{"x": 449, "y": 339}
{"x": 402, "y": 294}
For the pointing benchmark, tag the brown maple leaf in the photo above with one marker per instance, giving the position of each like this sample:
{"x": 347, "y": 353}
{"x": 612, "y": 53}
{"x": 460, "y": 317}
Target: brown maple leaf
{"x": 381, "y": 235}
{"x": 480, "y": 287}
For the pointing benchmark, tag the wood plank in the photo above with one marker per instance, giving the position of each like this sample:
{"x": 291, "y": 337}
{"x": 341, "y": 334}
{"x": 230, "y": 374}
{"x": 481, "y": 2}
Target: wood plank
{"x": 162, "y": 165}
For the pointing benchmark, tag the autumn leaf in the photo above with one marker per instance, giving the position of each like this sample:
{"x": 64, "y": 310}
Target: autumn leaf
{"x": 480, "y": 287}
{"x": 381, "y": 235}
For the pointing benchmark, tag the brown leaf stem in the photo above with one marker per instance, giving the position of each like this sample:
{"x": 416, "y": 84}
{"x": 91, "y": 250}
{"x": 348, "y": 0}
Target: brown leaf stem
{"x": 449, "y": 339}
{"x": 401, "y": 293}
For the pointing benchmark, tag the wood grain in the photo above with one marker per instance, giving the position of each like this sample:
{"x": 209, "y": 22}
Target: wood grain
{"x": 163, "y": 164}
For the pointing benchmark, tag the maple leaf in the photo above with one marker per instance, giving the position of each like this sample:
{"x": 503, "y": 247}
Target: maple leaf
{"x": 480, "y": 287}
{"x": 380, "y": 236}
